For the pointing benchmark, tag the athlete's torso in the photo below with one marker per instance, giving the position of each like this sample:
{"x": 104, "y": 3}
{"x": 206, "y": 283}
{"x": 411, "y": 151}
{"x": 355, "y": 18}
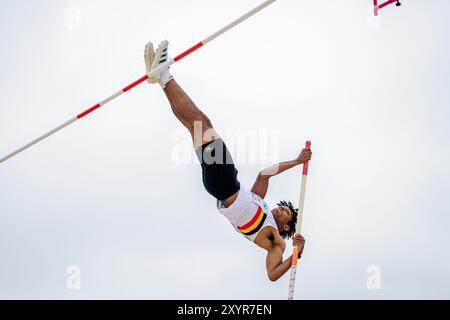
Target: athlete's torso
{"x": 248, "y": 214}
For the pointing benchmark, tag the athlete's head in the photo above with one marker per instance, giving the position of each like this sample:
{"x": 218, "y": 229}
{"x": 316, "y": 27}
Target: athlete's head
{"x": 286, "y": 216}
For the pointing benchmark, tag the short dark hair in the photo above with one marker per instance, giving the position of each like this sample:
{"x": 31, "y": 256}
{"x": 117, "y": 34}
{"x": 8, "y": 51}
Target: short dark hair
{"x": 290, "y": 233}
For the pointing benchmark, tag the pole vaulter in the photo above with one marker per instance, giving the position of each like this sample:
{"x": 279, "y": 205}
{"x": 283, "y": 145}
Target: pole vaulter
{"x": 142, "y": 79}
{"x": 245, "y": 208}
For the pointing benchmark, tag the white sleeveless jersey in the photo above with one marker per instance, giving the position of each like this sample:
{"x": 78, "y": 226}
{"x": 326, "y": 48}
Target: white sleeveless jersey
{"x": 249, "y": 214}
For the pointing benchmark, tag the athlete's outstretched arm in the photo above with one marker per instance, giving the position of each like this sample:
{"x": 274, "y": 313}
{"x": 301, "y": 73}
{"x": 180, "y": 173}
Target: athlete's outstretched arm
{"x": 275, "y": 265}
{"x": 261, "y": 185}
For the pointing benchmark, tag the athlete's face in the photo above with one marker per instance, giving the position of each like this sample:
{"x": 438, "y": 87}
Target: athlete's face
{"x": 283, "y": 216}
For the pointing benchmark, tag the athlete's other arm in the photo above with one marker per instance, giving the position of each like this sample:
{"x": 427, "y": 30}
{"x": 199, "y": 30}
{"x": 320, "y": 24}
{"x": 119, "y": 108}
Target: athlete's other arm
{"x": 275, "y": 265}
{"x": 262, "y": 181}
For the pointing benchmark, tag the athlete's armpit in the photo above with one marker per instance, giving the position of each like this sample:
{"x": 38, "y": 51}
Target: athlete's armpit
{"x": 261, "y": 185}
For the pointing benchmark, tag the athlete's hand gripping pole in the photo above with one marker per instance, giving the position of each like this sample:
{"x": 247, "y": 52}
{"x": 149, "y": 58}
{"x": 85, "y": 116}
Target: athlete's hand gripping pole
{"x": 298, "y": 227}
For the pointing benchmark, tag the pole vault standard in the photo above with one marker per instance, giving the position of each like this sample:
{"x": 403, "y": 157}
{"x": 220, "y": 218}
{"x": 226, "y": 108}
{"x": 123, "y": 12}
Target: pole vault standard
{"x": 384, "y": 4}
{"x": 298, "y": 227}
{"x": 142, "y": 79}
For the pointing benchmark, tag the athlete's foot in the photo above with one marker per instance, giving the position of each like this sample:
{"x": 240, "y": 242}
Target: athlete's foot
{"x": 155, "y": 59}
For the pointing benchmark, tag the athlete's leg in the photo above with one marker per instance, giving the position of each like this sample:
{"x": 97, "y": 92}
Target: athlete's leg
{"x": 183, "y": 107}
{"x": 218, "y": 170}
{"x": 198, "y": 124}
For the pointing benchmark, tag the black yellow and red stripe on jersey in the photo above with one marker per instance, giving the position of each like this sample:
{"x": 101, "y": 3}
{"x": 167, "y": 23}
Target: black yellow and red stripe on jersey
{"x": 255, "y": 224}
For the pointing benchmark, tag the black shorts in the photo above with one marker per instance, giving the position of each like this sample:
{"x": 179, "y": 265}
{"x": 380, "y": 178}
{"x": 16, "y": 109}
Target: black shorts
{"x": 218, "y": 170}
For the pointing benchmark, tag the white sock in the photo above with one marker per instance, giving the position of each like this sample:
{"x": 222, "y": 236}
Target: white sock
{"x": 166, "y": 76}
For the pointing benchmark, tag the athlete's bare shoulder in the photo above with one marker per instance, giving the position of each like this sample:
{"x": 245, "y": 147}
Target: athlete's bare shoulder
{"x": 268, "y": 238}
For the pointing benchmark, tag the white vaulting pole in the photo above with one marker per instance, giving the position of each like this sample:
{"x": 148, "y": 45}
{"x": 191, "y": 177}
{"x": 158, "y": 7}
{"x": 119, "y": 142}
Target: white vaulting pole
{"x": 298, "y": 227}
{"x": 142, "y": 79}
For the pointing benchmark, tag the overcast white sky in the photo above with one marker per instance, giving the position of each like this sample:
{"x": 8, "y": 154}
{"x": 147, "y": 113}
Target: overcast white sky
{"x": 112, "y": 194}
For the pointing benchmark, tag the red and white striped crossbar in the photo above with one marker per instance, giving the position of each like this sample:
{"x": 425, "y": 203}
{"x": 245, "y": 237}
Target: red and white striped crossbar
{"x": 298, "y": 227}
{"x": 142, "y": 79}
{"x": 381, "y": 6}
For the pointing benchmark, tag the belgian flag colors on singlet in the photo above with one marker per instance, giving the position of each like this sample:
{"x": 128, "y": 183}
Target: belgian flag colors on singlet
{"x": 249, "y": 214}
{"x": 255, "y": 224}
